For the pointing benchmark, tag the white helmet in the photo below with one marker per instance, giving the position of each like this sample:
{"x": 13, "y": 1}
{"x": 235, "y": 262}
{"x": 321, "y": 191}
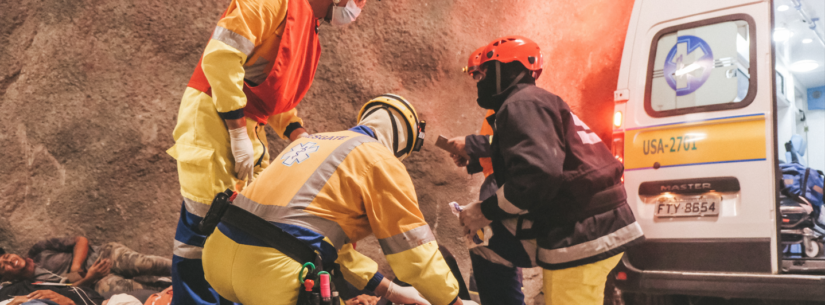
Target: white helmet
{"x": 404, "y": 140}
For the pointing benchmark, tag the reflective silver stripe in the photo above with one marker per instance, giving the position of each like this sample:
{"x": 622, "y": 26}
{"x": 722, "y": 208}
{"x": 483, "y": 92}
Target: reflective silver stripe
{"x": 593, "y": 247}
{"x": 295, "y": 216}
{"x": 505, "y": 204}
{"x": 407, "y": 240}
{"x": 255, "y": 72}
{"x": 294, "y": 213}
{"x": 589, "y": 137}
{"x": 187, "y": 251}
{"x": 319, "y": 178}
{"x": 194, "y": 207}
{"x": 233, "y": 39}
{"x": 491, "y": 256}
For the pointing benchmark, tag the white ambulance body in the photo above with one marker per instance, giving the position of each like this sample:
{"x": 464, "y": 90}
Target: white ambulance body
{"x": 710, "y": 93}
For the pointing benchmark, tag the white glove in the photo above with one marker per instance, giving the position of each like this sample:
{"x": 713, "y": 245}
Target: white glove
{"x": 404, "y": 295}
{"x": 243, "y": 153}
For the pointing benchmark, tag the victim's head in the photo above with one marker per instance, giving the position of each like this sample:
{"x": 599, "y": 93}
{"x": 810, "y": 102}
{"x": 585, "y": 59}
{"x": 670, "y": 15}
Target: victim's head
{"x": 14, "y": 267}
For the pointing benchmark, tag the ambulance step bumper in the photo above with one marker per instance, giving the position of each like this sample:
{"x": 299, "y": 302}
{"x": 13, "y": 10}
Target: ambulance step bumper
{"x": 720, "y": 284}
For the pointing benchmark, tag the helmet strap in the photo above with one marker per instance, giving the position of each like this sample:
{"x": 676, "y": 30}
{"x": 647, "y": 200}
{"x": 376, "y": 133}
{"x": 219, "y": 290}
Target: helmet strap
{"x": 498, "y": 77}
{"x": 394, "y": 131}
{"x": 517, "y": 79}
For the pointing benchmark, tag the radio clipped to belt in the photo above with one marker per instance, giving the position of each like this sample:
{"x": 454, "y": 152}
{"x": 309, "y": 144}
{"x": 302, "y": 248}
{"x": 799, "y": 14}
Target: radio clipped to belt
{"x": 316, "y": 284}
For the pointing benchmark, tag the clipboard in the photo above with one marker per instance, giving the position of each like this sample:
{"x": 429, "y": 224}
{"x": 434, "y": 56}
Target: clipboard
{"x": 441, "y": 142}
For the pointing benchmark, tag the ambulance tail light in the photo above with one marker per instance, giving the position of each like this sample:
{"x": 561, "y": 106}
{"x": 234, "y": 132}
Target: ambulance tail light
{"x": 617, "y": 119}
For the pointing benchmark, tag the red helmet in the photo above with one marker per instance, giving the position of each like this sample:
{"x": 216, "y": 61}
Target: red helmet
{"x": 513, "y": 48}
{"x": 474, "y": 62}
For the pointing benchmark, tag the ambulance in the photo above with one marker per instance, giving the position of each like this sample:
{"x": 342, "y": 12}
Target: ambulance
{"x": 713, "y": 97}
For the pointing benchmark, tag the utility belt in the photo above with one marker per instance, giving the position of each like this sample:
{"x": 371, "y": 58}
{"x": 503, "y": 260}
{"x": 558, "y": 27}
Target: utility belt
{"x": 317, "y": 284}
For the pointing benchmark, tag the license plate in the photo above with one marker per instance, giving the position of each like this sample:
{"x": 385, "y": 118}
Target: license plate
{"x": 687, "y": 205}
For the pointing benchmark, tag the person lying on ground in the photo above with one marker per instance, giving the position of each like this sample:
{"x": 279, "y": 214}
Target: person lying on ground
{"x": 29, "y": 293}
{"x": 14, "y": 268}
{"x": 38, "y": 297}
{"x": 111, "y": 267}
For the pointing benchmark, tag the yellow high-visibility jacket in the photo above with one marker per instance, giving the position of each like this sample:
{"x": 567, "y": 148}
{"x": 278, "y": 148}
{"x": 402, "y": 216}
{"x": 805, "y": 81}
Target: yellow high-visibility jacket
{"x": 343, "y": 186}
{"x": 244, "y": 45}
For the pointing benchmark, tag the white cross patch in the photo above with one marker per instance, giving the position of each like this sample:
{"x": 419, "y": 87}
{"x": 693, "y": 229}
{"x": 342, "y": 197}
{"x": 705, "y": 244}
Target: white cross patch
{"x": 687, "y": 64}
{"x": 587, "y": 136}
{"x": 299, "y": 153}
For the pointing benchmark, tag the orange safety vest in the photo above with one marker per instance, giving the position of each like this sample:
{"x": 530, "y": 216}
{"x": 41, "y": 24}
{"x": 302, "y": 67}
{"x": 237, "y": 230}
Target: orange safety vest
{"x": 486, "y": 130}
{"x": 292, "y": 73}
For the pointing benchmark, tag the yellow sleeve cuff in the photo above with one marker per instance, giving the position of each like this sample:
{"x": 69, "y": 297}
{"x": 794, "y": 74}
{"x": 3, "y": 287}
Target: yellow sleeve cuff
{"x": 424, "y": 268}
{"x": 357, "y": 268}
{"x": 280, "y": 122}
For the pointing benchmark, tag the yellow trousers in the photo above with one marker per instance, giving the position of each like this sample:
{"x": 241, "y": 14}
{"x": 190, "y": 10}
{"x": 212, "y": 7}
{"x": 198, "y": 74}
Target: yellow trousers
{"x": 203, "y": 150}
{"x": 250, "y": 275}
{"x": 582, "y": 285}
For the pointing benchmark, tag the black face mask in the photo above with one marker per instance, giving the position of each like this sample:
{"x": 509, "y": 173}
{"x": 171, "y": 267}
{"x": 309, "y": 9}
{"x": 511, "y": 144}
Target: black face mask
{"x": 491, "y": 100}
{"x": 488, "y": 95}
{"x": 486, "y": 88}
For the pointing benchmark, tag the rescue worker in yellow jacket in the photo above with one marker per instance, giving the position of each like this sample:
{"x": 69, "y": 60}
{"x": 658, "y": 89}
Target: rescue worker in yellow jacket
{"x": 257, "y": 66}
{"x": 330, "y": 190}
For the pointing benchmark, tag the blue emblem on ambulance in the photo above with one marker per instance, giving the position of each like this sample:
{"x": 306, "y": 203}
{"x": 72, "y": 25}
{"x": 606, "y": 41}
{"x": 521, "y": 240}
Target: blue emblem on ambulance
{"x": 299, "y": 153}
{"x": 688, "y": 65}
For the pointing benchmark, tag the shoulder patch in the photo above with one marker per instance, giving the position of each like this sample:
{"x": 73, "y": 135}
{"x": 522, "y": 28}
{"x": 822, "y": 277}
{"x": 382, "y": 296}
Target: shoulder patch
{"x": 299, "y": 153}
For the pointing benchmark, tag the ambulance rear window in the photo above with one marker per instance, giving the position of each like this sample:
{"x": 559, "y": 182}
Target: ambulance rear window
{"x": 702, "y": 66}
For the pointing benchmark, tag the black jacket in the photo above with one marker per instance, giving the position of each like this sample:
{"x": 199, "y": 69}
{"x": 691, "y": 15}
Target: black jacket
{"x": 553, "y": 169}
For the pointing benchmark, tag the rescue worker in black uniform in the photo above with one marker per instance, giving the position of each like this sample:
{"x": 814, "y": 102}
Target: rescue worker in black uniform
{"x": 554, "y": 174}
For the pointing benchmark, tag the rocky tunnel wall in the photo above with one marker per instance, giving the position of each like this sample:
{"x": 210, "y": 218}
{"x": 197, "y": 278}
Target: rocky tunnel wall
{"x": 90, "y": 90}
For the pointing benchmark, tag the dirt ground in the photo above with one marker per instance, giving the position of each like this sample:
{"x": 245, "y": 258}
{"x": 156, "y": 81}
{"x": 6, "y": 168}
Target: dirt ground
{"x": 90, "y": 89}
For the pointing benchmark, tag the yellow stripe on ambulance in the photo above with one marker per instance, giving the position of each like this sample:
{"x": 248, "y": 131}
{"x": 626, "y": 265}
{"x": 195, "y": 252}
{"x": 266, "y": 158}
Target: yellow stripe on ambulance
{"x": 732, "y": 139}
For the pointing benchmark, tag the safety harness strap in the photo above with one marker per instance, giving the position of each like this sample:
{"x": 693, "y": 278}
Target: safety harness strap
{"x": 271, "y": 235}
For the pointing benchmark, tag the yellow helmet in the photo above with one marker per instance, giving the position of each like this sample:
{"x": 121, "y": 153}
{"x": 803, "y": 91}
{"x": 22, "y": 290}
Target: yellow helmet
{"x": 415, "y": 128}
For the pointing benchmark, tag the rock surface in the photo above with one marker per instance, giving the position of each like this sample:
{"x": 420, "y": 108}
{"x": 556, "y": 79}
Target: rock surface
{"x": 90, "y": 89}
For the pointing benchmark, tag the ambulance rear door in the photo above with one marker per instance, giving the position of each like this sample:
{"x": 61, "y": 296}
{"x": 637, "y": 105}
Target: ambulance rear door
{"x": 698, "y": 135}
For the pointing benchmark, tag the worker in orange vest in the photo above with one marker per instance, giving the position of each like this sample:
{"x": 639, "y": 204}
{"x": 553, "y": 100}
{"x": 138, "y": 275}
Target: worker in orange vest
{"x": 257, "y": 66}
